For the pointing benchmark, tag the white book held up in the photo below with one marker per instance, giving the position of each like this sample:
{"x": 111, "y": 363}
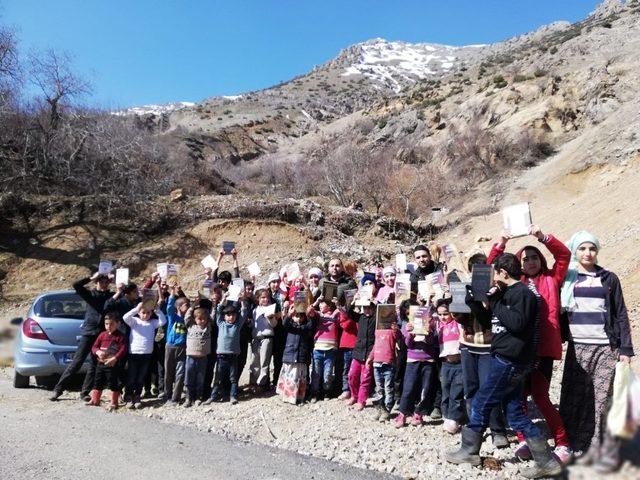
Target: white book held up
{"x": 401, "y": 262}
{"x": 517, "y": 219}
{"x": 234, "y": 292}
{"x": 209, "y": 262}
{"x": 254, "y": 269}
{"x": 122, "y": 276}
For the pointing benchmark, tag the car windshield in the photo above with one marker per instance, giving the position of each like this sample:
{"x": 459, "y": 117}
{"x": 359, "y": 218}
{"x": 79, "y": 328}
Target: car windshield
{"x": 60, "y": 305}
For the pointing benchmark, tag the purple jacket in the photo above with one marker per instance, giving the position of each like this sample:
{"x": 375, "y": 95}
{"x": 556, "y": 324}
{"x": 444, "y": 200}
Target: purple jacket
{"x": 421, "y": 350}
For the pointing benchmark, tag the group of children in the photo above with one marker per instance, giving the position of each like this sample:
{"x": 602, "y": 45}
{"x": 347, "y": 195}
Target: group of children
{"x": 471, "y": 369}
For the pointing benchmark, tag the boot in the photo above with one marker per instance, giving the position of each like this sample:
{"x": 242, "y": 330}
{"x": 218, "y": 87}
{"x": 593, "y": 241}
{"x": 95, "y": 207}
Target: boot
{"x": 114, "y": 401}
{"x": 609, "y": 460}
{"x": 469, "y": 449}
{"x": 545, "y": 465}
{"x": 94, "y": 398}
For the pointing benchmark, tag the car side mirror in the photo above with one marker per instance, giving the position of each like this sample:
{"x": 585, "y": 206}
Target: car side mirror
{"x": 16, "y": 321}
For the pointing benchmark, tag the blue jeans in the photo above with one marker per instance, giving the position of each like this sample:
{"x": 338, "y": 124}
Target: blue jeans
{"x": 503, "y": 387}
{"x": 196, "y": 369}
{"x": 384, "y": 376}
{"x": 226, "y": 366}
{"x": 417, "y": 388}
{"x": 453, "y": 406}
{"x": 323, "y": 367}
{"x": 347, "y": 356}
{"x": 475, "y": 370}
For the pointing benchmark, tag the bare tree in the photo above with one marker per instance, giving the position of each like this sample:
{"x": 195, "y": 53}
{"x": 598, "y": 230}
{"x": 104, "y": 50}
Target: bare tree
{"x": 51, "y": 73}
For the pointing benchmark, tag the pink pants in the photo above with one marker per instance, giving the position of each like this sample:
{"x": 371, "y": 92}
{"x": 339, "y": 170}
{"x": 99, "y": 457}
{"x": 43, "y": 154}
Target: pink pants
{"x": 360, "y": 376}
{"x": 538, "y": 388}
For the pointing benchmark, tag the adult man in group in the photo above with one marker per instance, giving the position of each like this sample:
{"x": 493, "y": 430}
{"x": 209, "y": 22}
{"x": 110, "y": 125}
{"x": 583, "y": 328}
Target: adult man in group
{"x": 338, "y": 275}
{"x": 89, "y": 330}
{"x": 424, "y": 266}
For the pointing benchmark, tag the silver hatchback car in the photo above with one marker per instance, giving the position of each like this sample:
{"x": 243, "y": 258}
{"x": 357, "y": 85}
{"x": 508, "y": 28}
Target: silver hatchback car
{"x": 48, "y": 337}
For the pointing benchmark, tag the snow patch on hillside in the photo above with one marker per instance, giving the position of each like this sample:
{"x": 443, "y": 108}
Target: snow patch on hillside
{"x": 393, "y": 64}
{"x": 154, "y": 109}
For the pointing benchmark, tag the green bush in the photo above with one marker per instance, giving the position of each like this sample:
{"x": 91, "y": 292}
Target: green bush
{"x": 539, "y": 73}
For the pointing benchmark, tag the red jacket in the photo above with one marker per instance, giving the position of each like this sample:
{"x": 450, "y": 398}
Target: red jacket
{"x": 349, "y": 329}
{"x": 114, "y": 344}
{"x": 548, "y": 283}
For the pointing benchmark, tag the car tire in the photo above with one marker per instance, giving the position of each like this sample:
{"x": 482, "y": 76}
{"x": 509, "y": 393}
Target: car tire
{"x": 20, "y": 381}
{"x": 47, "y": 382}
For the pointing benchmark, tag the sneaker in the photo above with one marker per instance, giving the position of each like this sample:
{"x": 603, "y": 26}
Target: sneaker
{"x": 436, "y": 414}
{"x": 162, "y": 397}
{"x": 314, "y": 399}
{"x": 376, "y": 398}
{"x": 233, "y": 401}
{"x": 563, "y": 454}
{"x": 197, "y": 403}
{"x": 399, "y": 420}
{"x": 351, "y": 401}
{"x": 208, "y": 401}
{"x": 416, "y": 420}
{"x": 56, "y": 395}
{"x": 523, "y": 452}
{"x": 138, "y": 405}
{"x": 359, "y": 407}
{"x": 451, "y": 426}
{"x": 344, "y": 396}
{"x": 188, "y": 403}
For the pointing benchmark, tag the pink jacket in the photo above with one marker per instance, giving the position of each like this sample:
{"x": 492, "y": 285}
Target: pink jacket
{"x": 327, "y": 332}
{"x": 548, "y": 283}
{"x": 384, "y": 347}
{"x": 349, "y": 331}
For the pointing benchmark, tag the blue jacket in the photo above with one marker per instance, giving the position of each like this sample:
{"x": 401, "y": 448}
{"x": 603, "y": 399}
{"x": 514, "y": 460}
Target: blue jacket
{"x": 176, "y": 329}
{"x": 228, "y": 333}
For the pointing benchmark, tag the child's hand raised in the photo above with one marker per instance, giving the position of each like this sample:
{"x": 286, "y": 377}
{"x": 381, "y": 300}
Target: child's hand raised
{"x": 409, "y": 327}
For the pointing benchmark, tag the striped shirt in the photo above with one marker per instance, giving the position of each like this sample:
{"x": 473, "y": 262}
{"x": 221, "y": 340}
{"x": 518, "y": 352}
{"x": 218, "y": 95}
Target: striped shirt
{"x": 587, "y": 319}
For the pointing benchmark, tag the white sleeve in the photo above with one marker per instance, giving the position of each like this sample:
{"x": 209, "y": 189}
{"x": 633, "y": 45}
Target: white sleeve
{"x": 162, "y": 318}
{"x": 128, "y": 317}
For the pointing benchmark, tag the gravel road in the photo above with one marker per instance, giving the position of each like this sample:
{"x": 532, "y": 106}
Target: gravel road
{"x": 67, "y": 440}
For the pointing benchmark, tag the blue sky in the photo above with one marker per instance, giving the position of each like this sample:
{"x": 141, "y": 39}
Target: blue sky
{"x": 157, "y": 51}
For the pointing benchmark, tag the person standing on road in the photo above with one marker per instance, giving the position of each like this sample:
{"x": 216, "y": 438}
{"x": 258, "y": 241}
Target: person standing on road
{"x": 90, "y": 328}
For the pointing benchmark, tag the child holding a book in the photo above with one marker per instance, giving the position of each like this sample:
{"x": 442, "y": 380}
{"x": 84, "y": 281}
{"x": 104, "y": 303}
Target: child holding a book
{"x": 109, "y": 349}
{"x": 264, "y": 321}
{"x": 453, "y": 409}
{"x": 143, "y": 331}
{"x": 198, "y": 348}
{"x": 292, "y": 383}
{"x": 419, "y": 378}
{"x": 382, "y": 358}
{"x": 360, "y": 373}
{"x": 325, "y": 347}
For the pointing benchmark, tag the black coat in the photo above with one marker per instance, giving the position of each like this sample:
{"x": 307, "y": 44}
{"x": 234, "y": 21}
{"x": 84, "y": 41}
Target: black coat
{"x": 366, "y": 337}
{"x": 299, "y": 343}
{"x": 94, "y": 315}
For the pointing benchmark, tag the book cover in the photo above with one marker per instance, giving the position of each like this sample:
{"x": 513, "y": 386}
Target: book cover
{"x": 365, "y": 296}
{"x": 401, "y": 262}
{"x": 105, "y": 267}
{"x": 149, "y": 298}
{"x": 234, "y": 292}
{"x": 349, "y": 296}
{"x": 228, "y": 246}
{"x": 329, "y": 290}
{"x": 254, "y": 269}
{"x": 172, "y": 274}
{"x": 161, "y": 268}
{"x": 385, "y": 316}
{"x": 402, "y": 291}
{"x": 458, "y": 292}
{"x": 420, "y": 318}
{"x": 481, "y": 281}
{"x": 238, "y": 282}
{"x": 209, "y": 262}
{"x": 301, "y": 301}
{"x": 517, "y": 219}
{"x": 122, "y": 276}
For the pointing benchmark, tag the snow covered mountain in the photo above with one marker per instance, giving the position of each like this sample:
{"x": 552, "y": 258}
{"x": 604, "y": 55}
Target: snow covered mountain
{"x": 154, "y": 109}
{"x": 393, "y": 65}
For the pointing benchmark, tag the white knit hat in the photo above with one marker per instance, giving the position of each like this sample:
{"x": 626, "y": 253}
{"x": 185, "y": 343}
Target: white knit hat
{"x": 314, "y": 271}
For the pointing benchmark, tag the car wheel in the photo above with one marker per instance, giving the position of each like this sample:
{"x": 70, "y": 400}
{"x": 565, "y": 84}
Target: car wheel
{"x": 20, "y": 381}
{"x": 47, "y": 382}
